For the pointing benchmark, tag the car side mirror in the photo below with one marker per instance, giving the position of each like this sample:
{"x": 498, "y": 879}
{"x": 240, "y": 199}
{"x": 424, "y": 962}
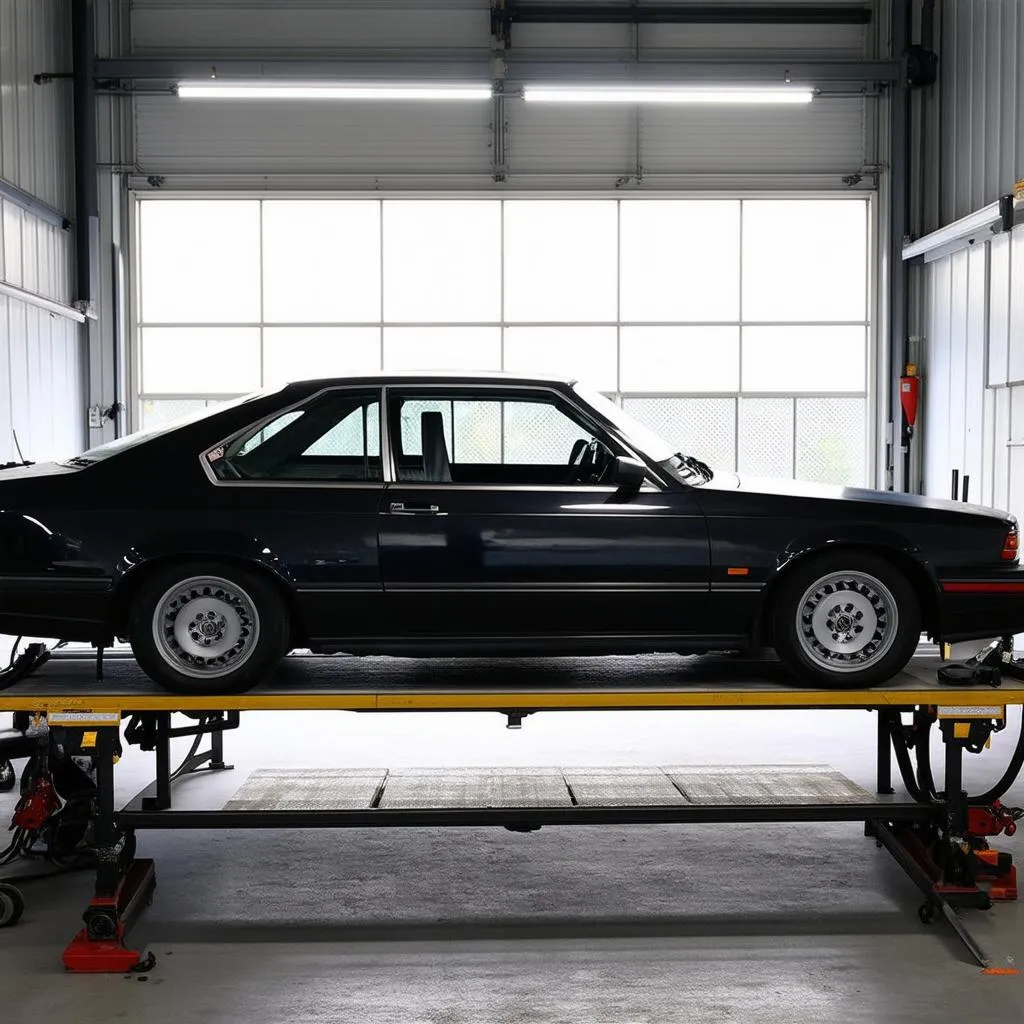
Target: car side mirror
{"x": 628, "y": 475}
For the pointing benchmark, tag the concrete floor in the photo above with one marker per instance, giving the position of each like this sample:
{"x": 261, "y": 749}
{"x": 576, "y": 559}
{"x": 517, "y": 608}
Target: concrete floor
{"x": 626, "y": 924}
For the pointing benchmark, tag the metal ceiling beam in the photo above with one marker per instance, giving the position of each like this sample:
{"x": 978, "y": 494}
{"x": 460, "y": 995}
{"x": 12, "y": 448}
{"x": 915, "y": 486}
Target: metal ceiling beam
{"x": 534, "y": 71}
{"x": 524, "y": 11}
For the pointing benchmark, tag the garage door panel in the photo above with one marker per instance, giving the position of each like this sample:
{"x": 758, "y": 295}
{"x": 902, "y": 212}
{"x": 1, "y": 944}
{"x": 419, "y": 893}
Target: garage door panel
{"x": 281, "y": 136}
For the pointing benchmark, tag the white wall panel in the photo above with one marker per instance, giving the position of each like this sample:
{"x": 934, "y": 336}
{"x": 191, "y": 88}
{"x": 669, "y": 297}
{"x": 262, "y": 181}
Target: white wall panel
{"x": 999, "y": 310}
{"x": 40, "y": 367}
{"x": 1016, "y": 329}
{"x": 41, "y": 392}
{"x": 1000, "y": 451}
{"x": 956, "y": 410}
{"x": 974, "y": 368}
{"x": 933, "y": 426}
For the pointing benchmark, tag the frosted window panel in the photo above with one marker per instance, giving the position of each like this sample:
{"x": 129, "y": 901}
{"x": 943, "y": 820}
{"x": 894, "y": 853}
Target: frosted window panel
{"x": 304, "y": 353}
{"x": 200, "y": 261}
{"x": 831, "y": 440}
{"x": 587, "y": 354}
{"x": 442, "y": 260}
{"x": 539, "y": 434}
{"x": 442, "y": 348}
{"x": 164, "y": 412}
{"x": 680, "y": 260}
{"x": 793, "y": 359}
{"x": 321, "y": 261}
{"x": 200, "y": 360}
{"x": 766, "y": 437}
{"x": 805, "y": 259}
{"x": 560, "y": 260}
{"x": 705, "y": 427}
{"x": 357, "y": 434}
{"x": 680, "y": 359}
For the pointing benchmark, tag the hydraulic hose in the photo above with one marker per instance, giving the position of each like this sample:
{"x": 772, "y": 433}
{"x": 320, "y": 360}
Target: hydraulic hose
{"x": 1007, "y": 779}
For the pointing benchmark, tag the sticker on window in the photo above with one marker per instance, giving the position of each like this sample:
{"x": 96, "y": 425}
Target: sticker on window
{"x": 216, "y": 454}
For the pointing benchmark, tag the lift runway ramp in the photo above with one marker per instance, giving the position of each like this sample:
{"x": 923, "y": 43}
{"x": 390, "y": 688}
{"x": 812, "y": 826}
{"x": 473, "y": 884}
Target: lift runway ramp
{"x": 372, "y": 683}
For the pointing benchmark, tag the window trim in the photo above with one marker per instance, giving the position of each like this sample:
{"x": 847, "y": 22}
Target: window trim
{"x": 654, "y": 478}
{"x": 656, "y": 481}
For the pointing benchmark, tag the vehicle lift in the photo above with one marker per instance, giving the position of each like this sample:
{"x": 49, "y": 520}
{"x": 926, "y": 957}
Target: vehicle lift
{"x": 940, "y": 837}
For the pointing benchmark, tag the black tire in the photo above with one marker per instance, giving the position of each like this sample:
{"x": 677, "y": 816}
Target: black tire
{"x": 12, "y": 905}
{"x": 260, "y": 628}
{"x": 888, "y": 648}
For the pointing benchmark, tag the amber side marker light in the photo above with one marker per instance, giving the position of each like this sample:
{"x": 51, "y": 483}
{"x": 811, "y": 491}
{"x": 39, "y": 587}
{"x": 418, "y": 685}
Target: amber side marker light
{"x": 737, "y": 571}
{"x": 1011, "y": 546}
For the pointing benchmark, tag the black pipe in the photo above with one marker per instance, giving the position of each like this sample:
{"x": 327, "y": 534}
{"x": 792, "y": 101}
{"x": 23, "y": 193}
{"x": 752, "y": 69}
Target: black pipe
{"x": 899, "y": 227}
{"x": 687, "y": 14}
{"x": 83, "y": 47}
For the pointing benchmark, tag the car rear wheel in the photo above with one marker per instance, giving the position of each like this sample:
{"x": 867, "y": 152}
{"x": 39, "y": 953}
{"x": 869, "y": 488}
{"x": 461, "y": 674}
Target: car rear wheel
{"x": 207, "y": 628}
{"x": 846, "y": 619}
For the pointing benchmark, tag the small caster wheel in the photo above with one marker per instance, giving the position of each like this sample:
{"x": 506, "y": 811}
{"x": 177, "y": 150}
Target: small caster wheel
{"x": 7, "y": 777}
{"x": 12, "y": 905}
{"x": 926, "y": 912}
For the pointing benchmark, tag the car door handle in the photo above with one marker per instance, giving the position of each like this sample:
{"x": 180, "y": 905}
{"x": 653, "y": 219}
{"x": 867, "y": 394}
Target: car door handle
{"x": 399, "y": 508}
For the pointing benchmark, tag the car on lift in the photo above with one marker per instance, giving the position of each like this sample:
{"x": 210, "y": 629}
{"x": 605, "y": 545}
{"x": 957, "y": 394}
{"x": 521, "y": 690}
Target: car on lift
{"x": 476, "y": 514}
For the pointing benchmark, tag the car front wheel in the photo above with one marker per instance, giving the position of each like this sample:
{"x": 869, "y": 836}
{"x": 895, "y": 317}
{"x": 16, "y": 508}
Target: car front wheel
{"x": 206, "y": 628}
{"x": 846, "y": 619}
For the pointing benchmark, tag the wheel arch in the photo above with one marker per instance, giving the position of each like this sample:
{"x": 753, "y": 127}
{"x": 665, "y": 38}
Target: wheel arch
{"x": 128, "y": 584}
{"x": 918, "y": 575}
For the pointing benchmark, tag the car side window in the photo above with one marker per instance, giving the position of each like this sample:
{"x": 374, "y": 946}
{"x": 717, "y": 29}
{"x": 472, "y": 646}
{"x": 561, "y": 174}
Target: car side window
{"x": 334, "y": 437}
{"x": 483, "y": 439}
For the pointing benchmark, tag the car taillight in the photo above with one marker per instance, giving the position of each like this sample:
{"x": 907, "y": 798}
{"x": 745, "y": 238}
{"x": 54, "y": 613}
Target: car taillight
{"x": 1011, "y": 546}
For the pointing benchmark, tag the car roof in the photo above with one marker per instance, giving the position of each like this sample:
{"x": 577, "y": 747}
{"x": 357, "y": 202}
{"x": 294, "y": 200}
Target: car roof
{"x": 437, "y": 376}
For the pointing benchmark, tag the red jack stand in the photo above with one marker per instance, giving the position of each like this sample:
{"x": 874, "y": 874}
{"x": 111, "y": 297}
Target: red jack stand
{"x": 99, "y": 948}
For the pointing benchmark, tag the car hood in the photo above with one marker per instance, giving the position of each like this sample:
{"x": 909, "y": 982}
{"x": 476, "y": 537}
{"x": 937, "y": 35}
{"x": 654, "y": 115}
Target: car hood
{"x": 831, "y": 492}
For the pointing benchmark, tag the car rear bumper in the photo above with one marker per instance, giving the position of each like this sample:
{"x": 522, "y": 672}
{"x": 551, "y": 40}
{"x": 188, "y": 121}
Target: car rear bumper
{"x": 981, "y": 605}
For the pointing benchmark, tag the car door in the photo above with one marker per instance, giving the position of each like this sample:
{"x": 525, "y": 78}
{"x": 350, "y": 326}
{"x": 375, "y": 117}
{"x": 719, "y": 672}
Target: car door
{"x": 306, "y": 486}
{"x": 509, "y": 539}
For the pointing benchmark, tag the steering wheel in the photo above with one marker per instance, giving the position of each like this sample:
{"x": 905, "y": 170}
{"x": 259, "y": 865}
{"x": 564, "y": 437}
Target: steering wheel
{"x": 581, "y": 461}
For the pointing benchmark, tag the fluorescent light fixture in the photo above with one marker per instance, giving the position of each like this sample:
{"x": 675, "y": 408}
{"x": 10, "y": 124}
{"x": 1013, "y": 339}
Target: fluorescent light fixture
{"x": 263, "y": 90}
{"x": 666, "y": 94}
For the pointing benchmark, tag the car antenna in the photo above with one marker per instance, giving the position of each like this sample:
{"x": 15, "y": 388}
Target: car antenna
{"x": 14, "y": 434}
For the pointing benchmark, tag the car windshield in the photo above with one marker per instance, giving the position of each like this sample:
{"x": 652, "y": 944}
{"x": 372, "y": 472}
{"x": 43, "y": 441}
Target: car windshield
{"x": 122, "y": 444}
{"x": 685, "y": 467}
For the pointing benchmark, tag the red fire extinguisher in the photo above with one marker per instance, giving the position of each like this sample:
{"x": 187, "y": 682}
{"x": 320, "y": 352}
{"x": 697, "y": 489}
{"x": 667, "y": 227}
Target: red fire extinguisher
{"x": 910, "y": 390}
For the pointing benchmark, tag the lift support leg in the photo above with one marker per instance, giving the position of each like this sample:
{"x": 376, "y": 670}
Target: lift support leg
{"x": 123, "y": 885}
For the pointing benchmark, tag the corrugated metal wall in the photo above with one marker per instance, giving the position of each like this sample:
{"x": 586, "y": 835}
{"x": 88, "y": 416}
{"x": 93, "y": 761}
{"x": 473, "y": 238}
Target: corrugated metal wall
{"x": 973, "y": 118}
{"x": 972, "y": 317}
{"x": 973, "y": 417}
{"x": 211, "y": 144}
{"x": 41, "y": 393}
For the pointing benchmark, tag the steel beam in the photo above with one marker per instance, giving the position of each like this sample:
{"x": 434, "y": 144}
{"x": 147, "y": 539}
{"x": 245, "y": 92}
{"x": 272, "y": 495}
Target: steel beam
{"x": 562, "y": 68}
{"x": 87, "y": 216}
{"x": 528, "y": 11}
{"x": 899, "y": 226}
{"x": 26, "y": 201}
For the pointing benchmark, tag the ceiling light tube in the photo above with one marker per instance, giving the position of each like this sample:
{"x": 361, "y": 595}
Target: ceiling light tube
{"x": 667, "y": 94}
{"x": 263, "y": 90}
